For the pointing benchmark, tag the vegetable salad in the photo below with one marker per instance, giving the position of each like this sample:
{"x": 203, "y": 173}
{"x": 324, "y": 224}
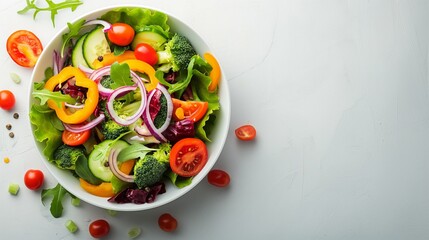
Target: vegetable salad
{"x": 127, "y": 105}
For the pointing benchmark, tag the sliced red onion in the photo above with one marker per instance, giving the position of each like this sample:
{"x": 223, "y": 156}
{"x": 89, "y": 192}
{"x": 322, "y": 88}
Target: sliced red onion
{"x": 56, "y": 62}
{"x": 120, "y": 91}
{"x": 113, "y": 165}
{"x": 142, "y": 130}
{"x": 142, "y": 139}
{"x": 106, "y": 25}
{"x": 80, "y": 106}
{"x": 96, "y": 74}
{"x": 88, "y": 71}
{"x": 157, "y": 132}
{"x": 83, "y": 127}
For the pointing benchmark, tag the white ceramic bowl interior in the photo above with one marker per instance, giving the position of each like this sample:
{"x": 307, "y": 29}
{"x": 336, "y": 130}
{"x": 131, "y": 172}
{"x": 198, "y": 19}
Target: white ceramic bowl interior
{"x": 218, "y": 136}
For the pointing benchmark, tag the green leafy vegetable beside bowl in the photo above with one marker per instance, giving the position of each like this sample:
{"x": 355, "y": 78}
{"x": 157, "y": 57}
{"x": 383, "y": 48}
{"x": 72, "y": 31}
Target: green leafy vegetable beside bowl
{"x": 128, "y": 124}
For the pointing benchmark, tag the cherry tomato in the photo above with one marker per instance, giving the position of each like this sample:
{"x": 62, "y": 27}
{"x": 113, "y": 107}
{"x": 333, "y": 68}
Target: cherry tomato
{"x": 167, "y": 222}
{"x": 7, "y": 99}
{"x": 188, "y": 156}
{"x": 99, "y": 228}
{"x": 33, "y": 179}
{"x": 75, "y": 139}
{"x": 146, "y": 53}
{"x": 24, "y": 48}
{"x": 193, "y": 110}
{"x": 218, "y": 178}
{"x": 121, "y": 34}
{"x": 245, "y": 132}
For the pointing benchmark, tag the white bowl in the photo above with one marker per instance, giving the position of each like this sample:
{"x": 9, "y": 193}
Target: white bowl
{"x": 218, "y": 135}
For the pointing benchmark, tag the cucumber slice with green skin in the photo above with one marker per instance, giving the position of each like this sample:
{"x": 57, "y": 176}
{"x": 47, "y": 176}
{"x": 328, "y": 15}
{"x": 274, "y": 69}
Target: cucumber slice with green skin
{"x": 151, "y": 37}
{"x": 94, "y": 46}
{"x": 99, "y": 158}
{"x": 77, "y": 53}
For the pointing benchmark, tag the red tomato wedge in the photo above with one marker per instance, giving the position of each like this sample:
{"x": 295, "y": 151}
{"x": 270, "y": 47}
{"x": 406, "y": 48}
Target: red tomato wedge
{"x": 193, "y": 110}
{"x": 75, "y": 139}
{"x": 245, "y": 132}
{"x": 188, "y": 156}
{"x": 24, "y": 48}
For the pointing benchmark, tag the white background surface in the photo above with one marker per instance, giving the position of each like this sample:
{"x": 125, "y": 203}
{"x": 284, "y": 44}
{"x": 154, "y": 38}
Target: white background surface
{"x": 338, "y": 91}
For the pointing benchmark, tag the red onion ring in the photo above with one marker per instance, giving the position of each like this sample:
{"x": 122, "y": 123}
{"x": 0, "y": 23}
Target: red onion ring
{"x": 113, "y": 165}
{"x": 76, "y": 128}
{"x": 106, "y": 25}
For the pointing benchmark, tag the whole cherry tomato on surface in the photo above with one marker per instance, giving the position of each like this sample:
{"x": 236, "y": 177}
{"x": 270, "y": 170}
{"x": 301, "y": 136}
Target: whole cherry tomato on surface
{"x": 146, "y": 53}
{"x": 120, "y": 34}
{"x": 218, "y": 178}
{"x": 99, "y": 228}
{"x": 167, "y": 222}
{"x": 33, "y": 179}
{"x": 24, "y": 48}
{"x": 246, "y": 132}
{"x": 7, "y": 100}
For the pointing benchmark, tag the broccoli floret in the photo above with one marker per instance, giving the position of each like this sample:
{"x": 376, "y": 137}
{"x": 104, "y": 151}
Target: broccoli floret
{"x": 66, "y": 156}
{"x": 162, "y": 113}
{"x": 177, "y": 54}
{"x": 150, "y": 169}
{"x": 111, "y": 130}
{"x": 106, "y": 81}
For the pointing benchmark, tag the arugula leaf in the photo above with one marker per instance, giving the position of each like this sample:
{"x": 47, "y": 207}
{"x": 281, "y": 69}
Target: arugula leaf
{"x": 45, "y": 95}
{"x": 133, "y": 151}
{"x": 118, "y": 50}
{"x": 52, "y": 7}
{"x": 57, "y": 193}
{"x": 121, "y": 76}
{"x": 82, "y": 170}
{"x": 74, "y": 29}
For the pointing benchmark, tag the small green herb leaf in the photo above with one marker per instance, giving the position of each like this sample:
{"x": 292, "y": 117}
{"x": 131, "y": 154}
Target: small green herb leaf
{"x": 57, "y": 193}
{"x": 74, "y": 29}
{"x": 52, "y": 7}
{"x": 44, "y": 95}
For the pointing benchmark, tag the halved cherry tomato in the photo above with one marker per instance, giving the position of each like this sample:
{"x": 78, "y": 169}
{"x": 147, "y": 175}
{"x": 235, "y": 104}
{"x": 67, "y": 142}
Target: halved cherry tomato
{"x": 146, "y": 53}
{"x": 7, "y": 99}
{"x": 218, "y": 178}
{"x": 99, "y": 228}
{"x": 245, "y": 132}
{"x": 24, "y": 48}
{"x": 75, "y": 139}
{"x": 33, "y": 179}
{"x": 121, "y": 34}
{"x": 193, "y": 110}
{"x": 167, "y": 222}
{"x": 188, "y": 156}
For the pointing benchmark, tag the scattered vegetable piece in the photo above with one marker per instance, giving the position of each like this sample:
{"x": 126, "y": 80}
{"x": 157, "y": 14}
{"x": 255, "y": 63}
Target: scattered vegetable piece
{"x": 24, "y": 47}
{"x": 134, "y": 232}
{"x": 7, "y": 100}
{"x": 57, "y": 193}
{"x": 167, "y": 222}
{"x": 33, "y": 179}
{"x": 215, "y": 73}
{"x": 6, "y": 160}
{"x": 99, "y": 228}
{"x": 218, "y": 178}
{"x": 71, "y": 226}
{"x": 75, "y": 201}
{"x": 15, "y": 78}
{"x": 52, "y": 7}
{"x": 13, "y": 188}
{"x": 112, "y": 212}
{"x": 245, "y": 132}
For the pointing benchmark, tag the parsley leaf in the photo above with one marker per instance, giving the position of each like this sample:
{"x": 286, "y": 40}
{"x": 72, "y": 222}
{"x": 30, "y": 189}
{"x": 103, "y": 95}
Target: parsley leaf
{"x": 52, "y": 7}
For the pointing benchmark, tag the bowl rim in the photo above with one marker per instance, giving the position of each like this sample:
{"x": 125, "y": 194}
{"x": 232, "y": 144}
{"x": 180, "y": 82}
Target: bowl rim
{"x": 225, "y": 110}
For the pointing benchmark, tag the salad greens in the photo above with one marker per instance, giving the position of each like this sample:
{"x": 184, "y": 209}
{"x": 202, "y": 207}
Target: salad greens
{"x": 134, "y": 124}
{"x": 52, "y": 7}
{"x": 57, "y": 195}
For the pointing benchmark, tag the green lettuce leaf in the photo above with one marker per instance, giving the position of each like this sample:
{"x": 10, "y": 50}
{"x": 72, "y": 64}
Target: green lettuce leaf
{"x": 45, "y": 130}
{"x": 138, "y": 18}
{"x": 177, "y": 180}
{"x": 44, "y": 95}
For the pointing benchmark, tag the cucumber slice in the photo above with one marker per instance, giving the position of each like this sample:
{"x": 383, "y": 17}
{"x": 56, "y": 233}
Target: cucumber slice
{"x": 77, "y": 53}
{"x": 98, "y": 159}
{"x": 94, "y": 46}
{"x": 149, "y": 35}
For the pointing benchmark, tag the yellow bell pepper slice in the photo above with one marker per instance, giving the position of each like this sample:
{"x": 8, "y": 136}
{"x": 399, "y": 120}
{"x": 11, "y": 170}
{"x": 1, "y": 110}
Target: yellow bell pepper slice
{"x": 91, "y": 100}
{"x": 215, "y": 73}
{"x": 110, "y": 58}
{"x": 143, "y": 67}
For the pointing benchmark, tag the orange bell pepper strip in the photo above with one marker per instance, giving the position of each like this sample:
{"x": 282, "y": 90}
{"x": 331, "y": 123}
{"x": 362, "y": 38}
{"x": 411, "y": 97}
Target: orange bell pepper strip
{"x": 110, "y": 58}
{"x": 215, "y": 73}
{"x": 105, "y": 189}
{"x": 91, "y": 100}
{"x": 143, "y": 67}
